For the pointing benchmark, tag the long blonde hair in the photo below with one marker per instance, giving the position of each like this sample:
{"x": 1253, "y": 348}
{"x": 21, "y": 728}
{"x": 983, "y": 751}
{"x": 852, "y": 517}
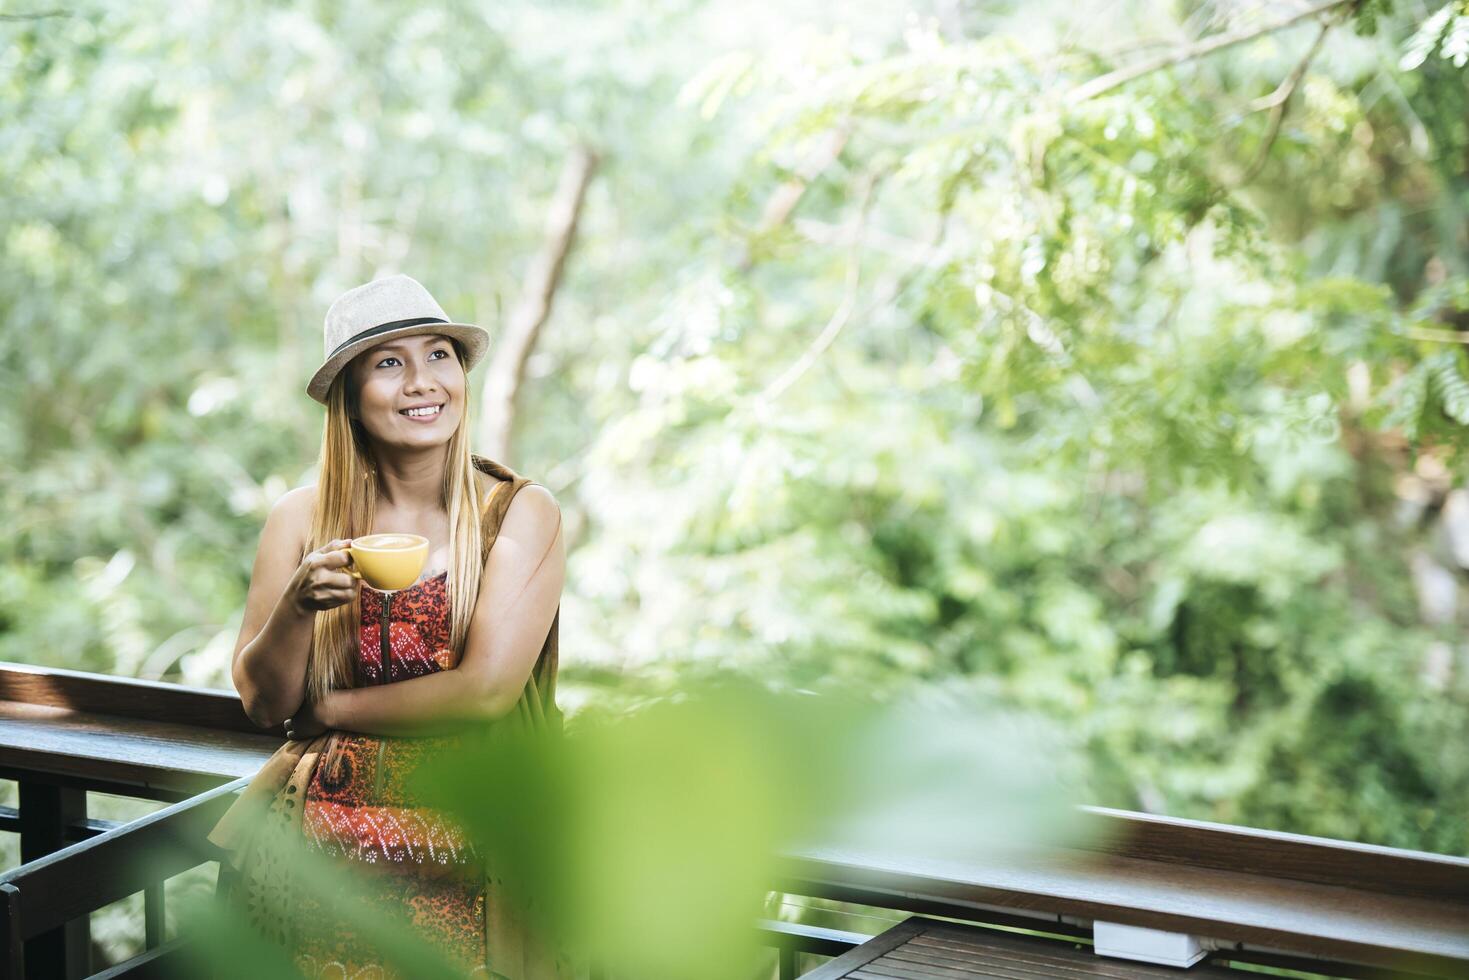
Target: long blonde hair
{"x": 346, "y": 501}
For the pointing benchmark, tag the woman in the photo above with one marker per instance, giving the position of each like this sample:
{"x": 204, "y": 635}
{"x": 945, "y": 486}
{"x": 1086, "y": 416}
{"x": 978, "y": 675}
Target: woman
{"x": 473, "y": 640}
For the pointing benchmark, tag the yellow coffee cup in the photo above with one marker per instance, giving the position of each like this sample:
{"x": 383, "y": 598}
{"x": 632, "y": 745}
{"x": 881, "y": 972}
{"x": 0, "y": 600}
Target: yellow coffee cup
{"x": 388, "y": 562}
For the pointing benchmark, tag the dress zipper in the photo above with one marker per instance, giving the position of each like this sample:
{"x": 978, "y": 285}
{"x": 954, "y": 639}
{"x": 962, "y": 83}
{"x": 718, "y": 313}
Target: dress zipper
{"x": 385, "y": 646}
{"x": 384, "y": 639}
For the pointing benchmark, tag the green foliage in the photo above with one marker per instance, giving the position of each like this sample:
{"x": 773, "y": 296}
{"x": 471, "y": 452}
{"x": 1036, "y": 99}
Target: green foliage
{"x": 1368, "y": 14}
{"x": 1161, "y": 471}
{"x": 1447, "y": 30}
{"x": 679, "y": 813}
{"x": 1357, "y": 736}
{"x": 674, "y": 812}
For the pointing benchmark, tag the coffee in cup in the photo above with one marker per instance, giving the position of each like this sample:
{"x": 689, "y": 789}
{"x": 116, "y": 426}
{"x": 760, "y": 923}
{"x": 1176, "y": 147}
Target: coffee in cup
{"x": 388, "y": 562}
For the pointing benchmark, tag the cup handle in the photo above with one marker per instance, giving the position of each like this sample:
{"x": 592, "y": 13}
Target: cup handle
{"x": 351, "y": 568}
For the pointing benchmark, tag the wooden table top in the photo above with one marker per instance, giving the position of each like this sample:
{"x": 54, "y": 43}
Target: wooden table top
{"x": 929, "y": 949}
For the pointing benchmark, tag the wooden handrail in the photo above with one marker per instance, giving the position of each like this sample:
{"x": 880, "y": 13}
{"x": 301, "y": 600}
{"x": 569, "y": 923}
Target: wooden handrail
{"x": 1278, "y": 854}
{"x": 125, "y": 697}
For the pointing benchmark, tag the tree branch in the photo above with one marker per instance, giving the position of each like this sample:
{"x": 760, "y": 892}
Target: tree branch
{"x": 523, "y": 327}
{"x": 783, "y": 201}
{"x": 1437, "y": 336}
{"x": 1114, "y": 79}
{"x": 826, "y": 233}
{"x": 1278, "y": 101}
{"x": 839, "y": 318}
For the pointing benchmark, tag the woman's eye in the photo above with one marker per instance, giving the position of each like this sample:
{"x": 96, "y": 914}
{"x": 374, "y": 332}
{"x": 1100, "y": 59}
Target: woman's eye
{"x": 436, "y": 350}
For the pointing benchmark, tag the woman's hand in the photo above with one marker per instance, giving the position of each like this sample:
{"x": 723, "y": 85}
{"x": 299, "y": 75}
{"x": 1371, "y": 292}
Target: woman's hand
{"x": 321, "y": 581}
{"x": 305, "y": 723}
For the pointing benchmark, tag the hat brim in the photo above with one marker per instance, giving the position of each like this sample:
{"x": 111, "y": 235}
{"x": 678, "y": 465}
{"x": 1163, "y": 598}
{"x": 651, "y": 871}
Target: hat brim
{"x": 476, "y": 341}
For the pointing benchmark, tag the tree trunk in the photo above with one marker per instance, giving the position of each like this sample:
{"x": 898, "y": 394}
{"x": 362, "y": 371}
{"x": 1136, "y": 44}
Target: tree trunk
{"x": 523, "y": 327}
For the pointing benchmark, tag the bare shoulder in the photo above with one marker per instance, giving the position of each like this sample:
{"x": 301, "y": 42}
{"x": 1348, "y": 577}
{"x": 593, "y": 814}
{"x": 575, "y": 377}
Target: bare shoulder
{"x": 295, "y": 505}
{"x": 289, "y": 522}
{"x": 533, "y": 516}
{"x": 535, "y": 505}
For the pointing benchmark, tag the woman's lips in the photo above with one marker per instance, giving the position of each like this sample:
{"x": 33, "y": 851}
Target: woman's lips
{"x": 424, "y": 419}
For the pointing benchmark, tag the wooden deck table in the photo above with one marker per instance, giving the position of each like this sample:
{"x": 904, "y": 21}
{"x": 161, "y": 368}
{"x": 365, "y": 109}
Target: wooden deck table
{"x": 921, "y": 948}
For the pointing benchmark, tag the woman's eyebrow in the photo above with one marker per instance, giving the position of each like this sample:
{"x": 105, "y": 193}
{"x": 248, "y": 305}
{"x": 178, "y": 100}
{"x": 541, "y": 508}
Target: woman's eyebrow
{"x": 399, "y": 348}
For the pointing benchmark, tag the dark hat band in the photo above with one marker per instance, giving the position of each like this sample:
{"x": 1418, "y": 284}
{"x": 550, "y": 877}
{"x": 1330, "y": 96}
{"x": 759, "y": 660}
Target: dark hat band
{"x": 382, "y": 328}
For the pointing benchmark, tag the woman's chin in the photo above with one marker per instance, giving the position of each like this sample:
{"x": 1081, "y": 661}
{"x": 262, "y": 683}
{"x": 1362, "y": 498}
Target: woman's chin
{"x": 416, "y": 435}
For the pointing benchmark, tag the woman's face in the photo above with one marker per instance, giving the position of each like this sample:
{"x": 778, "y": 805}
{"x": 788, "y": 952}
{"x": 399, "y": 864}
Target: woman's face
{"x": 409, "y": 373}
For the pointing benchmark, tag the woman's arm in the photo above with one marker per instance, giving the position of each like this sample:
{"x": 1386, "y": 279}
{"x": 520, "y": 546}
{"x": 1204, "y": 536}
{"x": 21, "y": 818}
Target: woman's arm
{"x": 269, "y": 663}
{"x": 519, "y": 591}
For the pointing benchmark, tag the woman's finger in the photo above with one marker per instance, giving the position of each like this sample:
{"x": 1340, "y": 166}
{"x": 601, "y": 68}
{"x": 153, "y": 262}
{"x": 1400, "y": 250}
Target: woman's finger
{"x": 335, "y": 579}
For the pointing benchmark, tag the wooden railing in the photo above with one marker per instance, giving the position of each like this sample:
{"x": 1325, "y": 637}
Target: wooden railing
{"x": 1247, "y": 896}
{"x": 64, "y": 733}
{"x": 50, "y": 896}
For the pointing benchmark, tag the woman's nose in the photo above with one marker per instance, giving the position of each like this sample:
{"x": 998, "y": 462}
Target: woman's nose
{"x": 419, "y": 378}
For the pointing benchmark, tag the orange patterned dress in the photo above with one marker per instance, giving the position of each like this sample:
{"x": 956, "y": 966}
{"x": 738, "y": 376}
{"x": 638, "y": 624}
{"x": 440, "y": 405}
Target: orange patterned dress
{"x": 357, "y": 807}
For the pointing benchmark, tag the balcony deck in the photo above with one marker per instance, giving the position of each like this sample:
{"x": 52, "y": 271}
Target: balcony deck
{"x": 1241, "y": 895}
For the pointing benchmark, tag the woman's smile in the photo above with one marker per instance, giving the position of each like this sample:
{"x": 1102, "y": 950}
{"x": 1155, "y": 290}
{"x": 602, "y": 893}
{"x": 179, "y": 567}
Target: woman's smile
{"x": 423, "y": 415}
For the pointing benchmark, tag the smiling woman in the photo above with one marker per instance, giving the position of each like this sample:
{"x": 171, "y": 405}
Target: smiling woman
{"x": 358, "y": 671}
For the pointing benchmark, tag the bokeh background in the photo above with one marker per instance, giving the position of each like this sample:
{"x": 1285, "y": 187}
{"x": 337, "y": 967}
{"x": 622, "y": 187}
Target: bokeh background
{"x": 1104, "y": 360}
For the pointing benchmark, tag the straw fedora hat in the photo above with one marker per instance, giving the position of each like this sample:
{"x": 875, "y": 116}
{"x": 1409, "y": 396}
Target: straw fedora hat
{"x": 393, "y": 306}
